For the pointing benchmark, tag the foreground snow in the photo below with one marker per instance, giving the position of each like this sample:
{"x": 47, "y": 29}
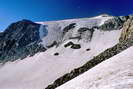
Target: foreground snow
{"x": 114, "y": 73}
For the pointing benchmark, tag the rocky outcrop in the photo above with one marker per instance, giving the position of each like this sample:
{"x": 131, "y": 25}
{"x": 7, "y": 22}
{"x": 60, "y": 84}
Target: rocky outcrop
{"x": 72, "y": 45}
{"x": 86, "y": 33}
{"x": 19, "y": 40}
{"x": 83, "y": 33}
{"x": 127, "y": 30}
{"x": 69, "y": 27}
{"x": 114, "y": 23}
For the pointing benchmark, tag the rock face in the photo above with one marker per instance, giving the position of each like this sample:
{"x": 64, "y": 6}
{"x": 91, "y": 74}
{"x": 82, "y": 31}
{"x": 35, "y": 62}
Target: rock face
{"x": 19, "y": 40}
{"x": 127, "y": 31}
{"x": 114, "y": 23}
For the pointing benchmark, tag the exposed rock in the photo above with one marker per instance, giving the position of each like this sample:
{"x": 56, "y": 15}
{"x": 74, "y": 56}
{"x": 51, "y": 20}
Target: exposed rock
{"x": 127, "y": 30}
{"x": 68, "y": 44}
{"x": 77, "y": 37}
{"x": 19, "y": 40}
{"x": 72, "y": 45}
{"x": 56, "y": 54}
{"x": 76, "y": 46}
{"x": 69, "y": 27}
{"x": 114, "y": 23}
{"x": 81, "y": 30}
{"x": 86, "y": 33}
{"x": 88, "y": 49}
{"x": 67, "y": 31}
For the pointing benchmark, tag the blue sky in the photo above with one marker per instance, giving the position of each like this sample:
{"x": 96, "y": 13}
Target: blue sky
{"x": 44, "y": 10}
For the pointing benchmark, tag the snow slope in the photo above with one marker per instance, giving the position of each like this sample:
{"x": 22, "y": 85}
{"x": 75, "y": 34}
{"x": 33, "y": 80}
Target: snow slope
{"x": 114, "y": 73}
{"x": 42, "y": 69}
{"x": 54, "y": 29}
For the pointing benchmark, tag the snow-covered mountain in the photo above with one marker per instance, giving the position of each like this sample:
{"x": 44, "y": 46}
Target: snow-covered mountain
{"x": 76, "y": 29}
{"x": 34, "y": 55}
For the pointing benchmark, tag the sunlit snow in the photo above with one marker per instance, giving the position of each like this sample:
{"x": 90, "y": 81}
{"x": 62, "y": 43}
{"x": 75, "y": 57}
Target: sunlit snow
{"x": 114, "y": 73}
